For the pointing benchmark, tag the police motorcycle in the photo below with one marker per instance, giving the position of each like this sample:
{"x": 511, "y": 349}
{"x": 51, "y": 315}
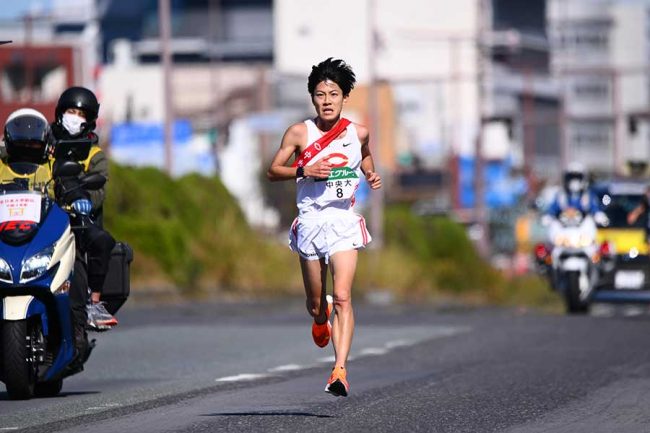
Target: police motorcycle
{"x": 39, "y": 263}
{"x": 574, "y": 257}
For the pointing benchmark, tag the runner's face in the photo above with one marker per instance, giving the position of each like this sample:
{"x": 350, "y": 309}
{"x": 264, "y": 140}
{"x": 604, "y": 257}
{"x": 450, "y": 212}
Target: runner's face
{"x": 328, "y": 100}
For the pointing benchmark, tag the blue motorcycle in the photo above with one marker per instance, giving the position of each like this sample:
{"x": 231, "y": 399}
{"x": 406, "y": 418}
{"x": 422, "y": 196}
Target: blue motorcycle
{"x": 39, "y": 263}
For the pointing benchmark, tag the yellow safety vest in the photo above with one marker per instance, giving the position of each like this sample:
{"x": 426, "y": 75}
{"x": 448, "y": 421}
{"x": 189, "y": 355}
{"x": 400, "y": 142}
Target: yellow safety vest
{"x": 94, "y": 150}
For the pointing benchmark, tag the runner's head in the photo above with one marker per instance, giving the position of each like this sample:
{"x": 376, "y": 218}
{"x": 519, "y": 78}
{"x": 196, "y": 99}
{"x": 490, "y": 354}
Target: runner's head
{"x": 332, "y": 70}
{"x": 329, "y": 85}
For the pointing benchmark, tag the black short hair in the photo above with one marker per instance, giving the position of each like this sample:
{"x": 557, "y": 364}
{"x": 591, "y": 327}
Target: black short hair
{"x": 335, "y": 70}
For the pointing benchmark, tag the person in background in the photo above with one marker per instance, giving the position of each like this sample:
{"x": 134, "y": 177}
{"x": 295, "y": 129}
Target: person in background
{"x": 641, "y": 211}
{"x": 332, "y": 154}
{"x": 575, "y": 194}
{"x": 75, "y": 118}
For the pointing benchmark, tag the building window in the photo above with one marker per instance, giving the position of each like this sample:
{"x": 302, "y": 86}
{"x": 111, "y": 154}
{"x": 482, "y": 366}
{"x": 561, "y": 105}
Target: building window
{"x": 584, "y": 37}
{"x": 591, "y": 136}
{"x": 591, "y": 90}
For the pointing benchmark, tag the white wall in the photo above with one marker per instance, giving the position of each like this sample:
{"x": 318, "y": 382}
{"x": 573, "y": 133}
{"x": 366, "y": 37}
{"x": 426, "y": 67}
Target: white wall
{"x": 422, "y": 42}
{"x": 195, "y": 88}
{"x": 141, "y": 84}
{"x": 309, "y": 31}
{"x": 413, "y": 36}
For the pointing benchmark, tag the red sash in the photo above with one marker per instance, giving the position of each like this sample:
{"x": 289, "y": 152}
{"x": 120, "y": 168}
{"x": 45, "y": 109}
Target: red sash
{"x": 313, "y": 149}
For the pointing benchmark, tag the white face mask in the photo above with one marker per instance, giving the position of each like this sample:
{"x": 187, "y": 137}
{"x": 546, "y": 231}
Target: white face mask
{"x": 575, "y": 186}
{"x": 72, "y": 123}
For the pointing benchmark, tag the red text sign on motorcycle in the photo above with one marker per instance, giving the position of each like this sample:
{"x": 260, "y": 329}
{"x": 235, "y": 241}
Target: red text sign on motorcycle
{"x": 21, "y": 226}
{"x": 20, "y": 207}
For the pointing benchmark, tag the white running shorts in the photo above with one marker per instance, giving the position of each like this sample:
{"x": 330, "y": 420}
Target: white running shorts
{"x": 319, "y": 237}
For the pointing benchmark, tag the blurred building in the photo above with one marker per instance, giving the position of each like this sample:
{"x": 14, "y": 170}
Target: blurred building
{"x": 51, "y": 50}
{"x": 600, "y": 55}
{"x": 220, "y": 90}
{"x": 458, "y": 75}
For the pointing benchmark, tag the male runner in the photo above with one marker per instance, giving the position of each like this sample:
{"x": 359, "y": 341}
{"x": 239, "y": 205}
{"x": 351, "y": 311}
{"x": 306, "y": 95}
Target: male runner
{"x": 331, "y": 154}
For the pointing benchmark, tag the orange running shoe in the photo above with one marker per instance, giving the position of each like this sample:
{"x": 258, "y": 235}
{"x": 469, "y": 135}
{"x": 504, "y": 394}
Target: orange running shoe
{"x": 321, "y": 332}
{"x": 338, "y": 384}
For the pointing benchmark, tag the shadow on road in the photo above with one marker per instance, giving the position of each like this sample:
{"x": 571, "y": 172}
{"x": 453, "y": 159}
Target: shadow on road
{"x": 5, "y": 396}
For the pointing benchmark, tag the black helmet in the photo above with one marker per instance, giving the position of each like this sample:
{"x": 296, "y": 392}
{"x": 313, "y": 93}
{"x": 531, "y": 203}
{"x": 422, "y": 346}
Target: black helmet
{"x": 81, "y": 98}
{"x": 26, "y": 136}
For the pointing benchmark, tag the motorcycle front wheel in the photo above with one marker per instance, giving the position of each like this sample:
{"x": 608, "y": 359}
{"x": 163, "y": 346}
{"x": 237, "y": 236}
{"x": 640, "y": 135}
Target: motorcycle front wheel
{"x": 20, "y": 340}
{"x": 574, "y": 304}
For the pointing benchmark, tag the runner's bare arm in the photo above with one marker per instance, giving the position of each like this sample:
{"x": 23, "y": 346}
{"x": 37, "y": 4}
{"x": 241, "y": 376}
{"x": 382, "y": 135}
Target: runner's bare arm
{"x": 367, "y": 163}
{"x": 293, "y": 138}
{"x": 292, "y": 141}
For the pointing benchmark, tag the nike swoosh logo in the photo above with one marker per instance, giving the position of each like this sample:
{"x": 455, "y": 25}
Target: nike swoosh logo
{"x": 346, "y": 144}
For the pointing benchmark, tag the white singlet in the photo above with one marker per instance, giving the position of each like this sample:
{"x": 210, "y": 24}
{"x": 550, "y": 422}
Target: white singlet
{"x": 326, "y": 222}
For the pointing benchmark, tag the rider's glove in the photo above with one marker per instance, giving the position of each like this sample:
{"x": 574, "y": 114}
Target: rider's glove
{"x": 82, "y": 206}
{"x": 601, "y": 219}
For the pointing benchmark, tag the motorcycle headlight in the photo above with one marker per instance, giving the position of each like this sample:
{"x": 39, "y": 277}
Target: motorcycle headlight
{"x": 36, "y": 265}
{"x": 562, "y": 241}
{"x": 5, "y": 272}
{"x": 585, "y": 240}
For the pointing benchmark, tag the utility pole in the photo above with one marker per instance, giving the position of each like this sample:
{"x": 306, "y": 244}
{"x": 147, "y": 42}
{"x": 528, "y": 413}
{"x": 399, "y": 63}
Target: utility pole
{"x": 376, "y": 196}
{"x": 481, "y": 54}
{"x": 164, "y": 22}
{"x": 617, "y": 112}
{"x": 216, "y": 37}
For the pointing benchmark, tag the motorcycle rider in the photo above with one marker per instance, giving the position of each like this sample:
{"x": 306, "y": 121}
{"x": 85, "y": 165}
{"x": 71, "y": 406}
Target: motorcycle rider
{"x": 27, "y": 137}
{"x": 75, "y": 119}
{"x": 575, "y": 194}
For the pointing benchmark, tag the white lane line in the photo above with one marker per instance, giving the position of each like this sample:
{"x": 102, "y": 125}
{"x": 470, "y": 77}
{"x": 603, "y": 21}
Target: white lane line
{"x": 369, "y": 351}
{"x": 104, "y": 406}
{"x": 286, "y": 367}
{"x": 8, "y": 428}
{"x": 398, "y": 343}
{"x": 241, "y": 377}
{"x": 372, "y": 351}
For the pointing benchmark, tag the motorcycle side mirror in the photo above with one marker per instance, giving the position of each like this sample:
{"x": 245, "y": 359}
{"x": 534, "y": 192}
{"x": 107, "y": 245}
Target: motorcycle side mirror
{"x": 66, "y": 168}
{"x": 93, "y": 181}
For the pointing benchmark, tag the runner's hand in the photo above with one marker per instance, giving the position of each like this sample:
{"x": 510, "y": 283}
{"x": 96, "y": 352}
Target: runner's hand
{"x": 320, "y": 169}
{"x": 373, "y": 179}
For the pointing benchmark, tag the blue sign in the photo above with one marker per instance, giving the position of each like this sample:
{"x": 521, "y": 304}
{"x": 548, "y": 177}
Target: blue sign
{"x": 142, "y": 144}
{"x": 141, "y": 133}
{"x": 501, "y": 189}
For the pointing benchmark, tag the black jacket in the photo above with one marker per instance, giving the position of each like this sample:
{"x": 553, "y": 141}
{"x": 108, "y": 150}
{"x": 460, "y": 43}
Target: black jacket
{"x": 97, "y": 162}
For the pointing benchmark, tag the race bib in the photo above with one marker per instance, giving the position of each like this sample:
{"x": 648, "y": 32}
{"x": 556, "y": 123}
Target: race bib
{"x": 20, "y": 207}
{"x": 341, "y": 184}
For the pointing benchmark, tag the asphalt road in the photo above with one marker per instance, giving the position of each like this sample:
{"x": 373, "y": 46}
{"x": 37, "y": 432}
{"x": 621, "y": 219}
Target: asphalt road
{"x": 252, "y": 367}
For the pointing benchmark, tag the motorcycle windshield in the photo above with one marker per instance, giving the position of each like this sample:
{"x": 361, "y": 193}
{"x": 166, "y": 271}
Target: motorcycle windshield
{"x": 22, "y": 186}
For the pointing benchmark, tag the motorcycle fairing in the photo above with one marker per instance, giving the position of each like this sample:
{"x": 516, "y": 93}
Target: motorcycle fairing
{"x": 55, "y": 230}
{"x": 22, "y": 301}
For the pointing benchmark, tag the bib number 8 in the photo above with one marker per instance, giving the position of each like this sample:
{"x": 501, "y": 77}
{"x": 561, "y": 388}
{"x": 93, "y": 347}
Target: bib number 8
{"x": 339, "y": 192}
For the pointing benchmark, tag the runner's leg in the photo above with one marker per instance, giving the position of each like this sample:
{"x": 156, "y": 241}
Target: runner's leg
{"x": 314, "y": 276}
{"x": 344, "y": 264}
